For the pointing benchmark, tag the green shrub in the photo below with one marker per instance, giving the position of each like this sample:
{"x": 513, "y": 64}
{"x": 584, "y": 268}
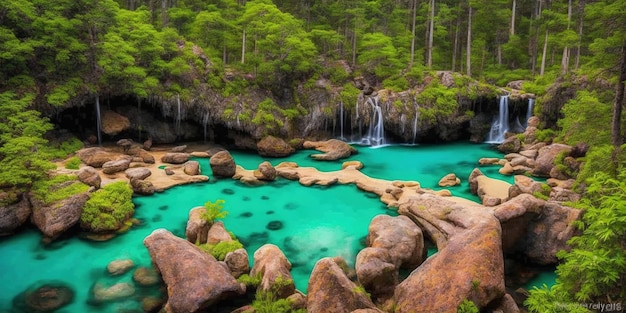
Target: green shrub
{"x": 467, "y": 306}
{"x": 63, "y": 149}
{"x": 551, "y": 299}
{"x": 73, "y": 163}
{"x": 108, "y": 208}
{"x": 250, "y": 281}
{"x": 545, "y": 135}
{"x": 268, "y": 301}
{"x": 57, "y": 188}
{"x": 214, "y": 210}
{"x": 221, "y": 249}
{"x": 584, "y": 120}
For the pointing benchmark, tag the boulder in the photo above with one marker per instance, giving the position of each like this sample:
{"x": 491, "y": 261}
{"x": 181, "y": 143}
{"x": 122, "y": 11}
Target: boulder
{"x": 125, "y": 144}
{"x": 138, "y": 173}
{"x": 104, "y": 293}
{"x": 546, "y": 156}
{"x": 195, "y": 280}
{"x": 490, "y": 190}
{"x": 119, "y": 267}
{"x": 114, "y": 123}
{"x": 115, "y": 166}
{"x": 197, "y": 227}
{"x": 191, "y": 168}
{"x": 89, "y": 176}
{"x": 265, "y": 172}
{"x": 401, "y": 237}
{"x": 273, "y": 267}
{"x": 13, "y": 215}
{"x": 333, "y": 149}
{"x": 524, "y": 184}
{"x": 142, "y": 155}
{"x": 142, "y": 187}
{"x": 352, "y": 164}
{"x": 175, "y": 158}
{"x": 46, "y": 298}
{"x": 97, "y": 156}
{"x": 179, "y": 148}
{"x": 449, "y": 181}
{"x": 56, "y": 218}
{"x": 510, "y": 144}
{"x": 238, "y": 262}
{"x": 330, "y": 290}
{"x": 222, "y": 164}
{"x": 218, "y": 233}
{"x": 146, "y": 276}
{"x": 376, "y": 272}
{"x": 147, "y": 145}
{"x": 271, "y": 146}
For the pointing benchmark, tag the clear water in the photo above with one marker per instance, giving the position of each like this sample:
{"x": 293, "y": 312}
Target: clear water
{"x": 317, "y": 221}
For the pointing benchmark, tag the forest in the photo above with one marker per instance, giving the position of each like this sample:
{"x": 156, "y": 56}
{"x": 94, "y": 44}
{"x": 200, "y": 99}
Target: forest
{"x": 60, "y": 54}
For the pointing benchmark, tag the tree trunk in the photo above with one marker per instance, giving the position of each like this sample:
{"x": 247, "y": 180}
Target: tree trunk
{"x": 566, "y": 49}
{"x": 512, "y": 30}
{"x": 455, "y": 48}
{"x": 544, "y": 55}
{"x": 581, "y": 13}
{"x": 468, "y": 59}
{"x": 243, "y": 47}
{"x": 431, "y": 28}
{"x": 413, "y": 16}
{"x": 618, "y": 103}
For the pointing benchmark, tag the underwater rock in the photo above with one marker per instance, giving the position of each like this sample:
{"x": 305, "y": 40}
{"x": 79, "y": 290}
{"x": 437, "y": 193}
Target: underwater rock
{"x": 195, "y": 280}
{"x": 103, "y": 293}
{"x": 175, "y": 158}
{"x": 14, "y": 214}
{"x": 146, "y": 276}
{"x": 222, "y": 164}
{"x": 274, "y": 147}
{"x": 330, "y": 290}
{"x": 45, "y": 297}
{"x": 119, "y": 267}
{"x": 274, "y": 269}
{"x": 274, "y": 225}
{"x": 89, "y": 176}
{"x": 246, "y": 214}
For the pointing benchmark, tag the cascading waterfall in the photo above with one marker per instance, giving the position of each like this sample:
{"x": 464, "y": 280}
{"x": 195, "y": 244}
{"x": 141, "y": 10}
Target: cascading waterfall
{"x": 529, "y": 112}
{"x": 205, "y": 122}
{"x": 500, "y": 126}
{"x": 178, "y": 115}
{"x": 417, "y": 114}
{"x": 98, "y": 120}
{"x": 376, "y": 132}
{"x": 341, "y": 137}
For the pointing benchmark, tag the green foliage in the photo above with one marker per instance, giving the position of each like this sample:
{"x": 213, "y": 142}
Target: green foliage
{"x": 544, "y": 193}
{"x": 552, "y": 299}
{"x": 214, "y": 210}
{"x": 267, "y": 301}
{"x": 599, "y": 159}
{"x": 250, "y": 281}
{"x": 61, "y": 150}
{"x": 467, "y": 306}
{"x": 73, "y": 163}
{"x": 221, "y": 249}
{"x": 584, "y": 120}
{"x": 57, "y": 188}
{"x": 361, "y": 290}
{"x": 437, "y": 102}
{"x": 108, "y": 208}
{"x": 545, "y": 135}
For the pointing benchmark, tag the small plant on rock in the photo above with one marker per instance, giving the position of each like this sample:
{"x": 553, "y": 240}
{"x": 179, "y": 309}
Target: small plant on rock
{"x": 214, "y": 210}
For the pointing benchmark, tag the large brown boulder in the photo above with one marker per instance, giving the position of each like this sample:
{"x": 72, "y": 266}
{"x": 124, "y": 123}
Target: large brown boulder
{"x": 142, "y": 155}
{"x": 191, "y": 168}
{"x": 333, "y": 149}
{"x": 195, "y": 280}
{"x": 138, "y": 173}
{"x": 142, "y": 187}
{"x": 197, "y": 227}
{"x": 238, "y": 262}
{"x": 376, "y": 272}
{"x": 218, "y": 233}
{"x": 223, "y": 164}
{"x": 401, "y": 237}
{"x": 274, "y": 147}
{"x": 56, "y": 218}
{"x": 265, "y": 171}
{"x": 273, "y": 267}
{"x": 14, "y": 214}
{"x": 114, "y": 123}
{"x": 175, "y": 157}
{"x": 115, "y": 166}
{"x": 89, "y": 176}
{"x": 97, "y": 156}
{"x": 330, "y": 290}
{"x": 546, "y": 156}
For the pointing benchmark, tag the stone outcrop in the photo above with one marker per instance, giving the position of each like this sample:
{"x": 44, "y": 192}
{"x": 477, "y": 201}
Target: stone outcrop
{"x": 490, "y": 190}
{"x": 142, "y": 187}
{"x": 141, "y": 155}
{"x": 217, "y": 233}
{"x": 175, "y": 158}
{"x": 222, "y": 164}
{"x": 546, "y": 157}
{"x": 191, "y": 168}
{"x": 97, "y": 156}
{"x": 115, "y": 166}
{"x": 333, "y": 149}
{"x": 197, "y": 227}
{"x": 89, "y": 176}
{"x": 195, "y": 280}
{"x": 114, "y": 123}
{"x": 274, "y": 147}
{"x": 15, "y": 214}
{"x": 138, "y": 173}
{"x": 238, "y": 262}
{"x": 401, "y": 237}
{"x": 449, "y": 180}
{"x": 273, "y": 267}
{"x": 265, "y": 171}
{"x": 468, "y": 265}
{"x": 330, "y": 290}
{"x": 56, "y": 218}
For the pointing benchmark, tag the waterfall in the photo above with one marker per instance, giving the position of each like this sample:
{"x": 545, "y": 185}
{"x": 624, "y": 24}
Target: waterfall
{"x": 529, "y": 112}
{"x": 98, "y": 120}
{"x": 500, "y": 126}
{"x": 341, "y": 137}
{"x": 205, "y": 122}
{"x": 417, "y": 114}
{"x": 376, "y": 131}
{"x": 178, "y": 115}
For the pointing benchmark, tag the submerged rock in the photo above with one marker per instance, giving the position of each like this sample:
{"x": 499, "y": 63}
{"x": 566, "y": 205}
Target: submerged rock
{"x": 195, "y": 280}
{"x": 119, "y": 267}
{"x": 103, "y": 293}
{"x": 46, "y": 297}
{"x": 146, "y": 276}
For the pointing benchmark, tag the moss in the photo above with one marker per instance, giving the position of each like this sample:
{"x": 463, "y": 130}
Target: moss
{"x": 108, "y": 208}
{"x": 221, "y": 249}
{"x": 73, "y": 163}
{"x": 57, "y": 188}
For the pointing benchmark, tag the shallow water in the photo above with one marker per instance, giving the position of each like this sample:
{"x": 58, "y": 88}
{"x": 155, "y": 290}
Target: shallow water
{"x": 316, "y": 221}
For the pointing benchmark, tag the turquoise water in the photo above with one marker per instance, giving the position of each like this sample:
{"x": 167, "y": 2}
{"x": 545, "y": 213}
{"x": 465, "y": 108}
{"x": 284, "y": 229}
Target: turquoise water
{"x": 316, "y": 221}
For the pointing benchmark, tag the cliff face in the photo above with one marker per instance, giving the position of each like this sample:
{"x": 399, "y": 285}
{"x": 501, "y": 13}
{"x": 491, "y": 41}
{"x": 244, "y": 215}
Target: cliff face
{"x": 445, "y": 106}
